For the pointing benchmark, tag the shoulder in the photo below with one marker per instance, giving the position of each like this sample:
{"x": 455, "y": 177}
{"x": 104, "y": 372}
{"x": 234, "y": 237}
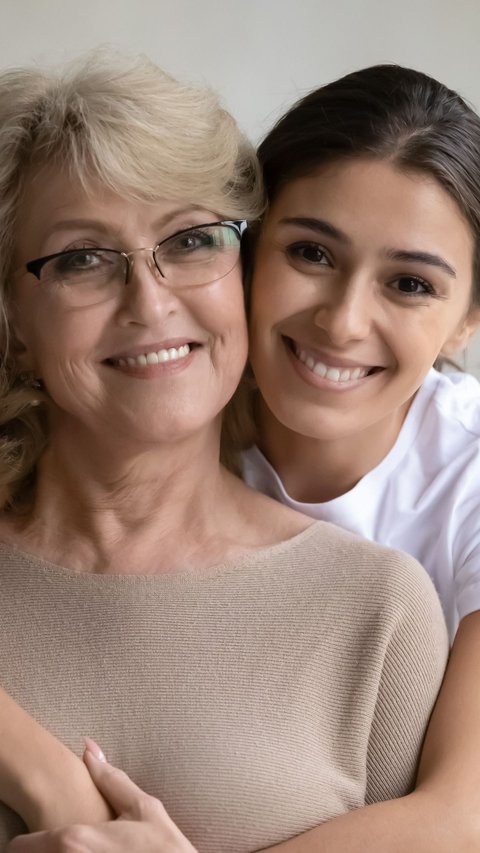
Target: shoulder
{"x": 455, "y": 397}
{"x": 357, "y": 569}
{"x": 399, "y": 620}
{"x": 375, "y": 605}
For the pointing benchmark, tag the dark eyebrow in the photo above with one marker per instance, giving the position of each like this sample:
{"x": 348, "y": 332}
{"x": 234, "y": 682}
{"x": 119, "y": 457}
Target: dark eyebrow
{"x": 319, "y": 225}
{"x": 326, "y": 228}
{"x": 422, "y": 258}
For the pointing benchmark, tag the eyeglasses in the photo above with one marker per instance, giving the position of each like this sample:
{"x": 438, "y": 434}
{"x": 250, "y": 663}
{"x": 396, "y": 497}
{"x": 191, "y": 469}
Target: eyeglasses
{"x": 189, "y": 258}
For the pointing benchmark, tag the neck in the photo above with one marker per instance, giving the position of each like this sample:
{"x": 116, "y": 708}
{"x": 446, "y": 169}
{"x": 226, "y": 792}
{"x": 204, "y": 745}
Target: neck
{"x": 100, "y": 508}
{"x": 315, "y": 470}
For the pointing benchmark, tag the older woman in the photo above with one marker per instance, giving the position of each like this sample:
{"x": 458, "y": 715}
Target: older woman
{"x": 247, "y": 667}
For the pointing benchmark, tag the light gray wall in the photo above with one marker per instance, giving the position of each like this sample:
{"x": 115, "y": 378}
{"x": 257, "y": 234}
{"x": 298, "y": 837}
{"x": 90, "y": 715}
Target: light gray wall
{"x": 260, "y": 54}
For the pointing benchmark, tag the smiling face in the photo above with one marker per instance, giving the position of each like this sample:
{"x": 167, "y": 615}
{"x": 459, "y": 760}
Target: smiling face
{"x": 147, "y": 364}
{"x": 363, "y": 276}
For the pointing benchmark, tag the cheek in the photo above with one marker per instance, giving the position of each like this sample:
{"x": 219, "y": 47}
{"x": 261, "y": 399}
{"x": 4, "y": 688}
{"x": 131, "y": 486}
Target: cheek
{"x": 264, "y": 286}
{"x": 56, "y": 341}
{"x": 279, "y": 293}
{"x": 224, "y": 311}
{"x": 423, "y": 337}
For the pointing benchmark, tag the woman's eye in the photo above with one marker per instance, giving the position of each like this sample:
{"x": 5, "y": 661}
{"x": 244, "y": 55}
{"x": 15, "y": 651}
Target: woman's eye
{"x": 73, "y": 262}
{"x": 82, "y": 260}
{"x": 76, "y": 265}
{"x": 412, "y": 286}
{"x": 309, "y": 253}
{"x": 191, "y": 241}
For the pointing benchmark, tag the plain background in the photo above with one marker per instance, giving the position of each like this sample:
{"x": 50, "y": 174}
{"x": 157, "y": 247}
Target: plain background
{"x": 259, "y": 54}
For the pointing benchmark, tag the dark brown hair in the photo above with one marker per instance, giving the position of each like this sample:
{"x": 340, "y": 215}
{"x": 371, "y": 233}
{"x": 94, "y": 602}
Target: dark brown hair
{"x": 385, "y": 112}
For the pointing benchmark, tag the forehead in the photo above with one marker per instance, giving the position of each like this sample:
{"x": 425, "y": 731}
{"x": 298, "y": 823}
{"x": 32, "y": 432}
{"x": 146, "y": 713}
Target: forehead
{"x": 54, "y": 206}
{"x": 372, "y": 197}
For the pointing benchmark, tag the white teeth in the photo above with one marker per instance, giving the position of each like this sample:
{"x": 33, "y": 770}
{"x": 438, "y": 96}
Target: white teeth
{"x": 320, "y": 369}
{"x": 170, "y": 354}
{"x": 334, "y": 374}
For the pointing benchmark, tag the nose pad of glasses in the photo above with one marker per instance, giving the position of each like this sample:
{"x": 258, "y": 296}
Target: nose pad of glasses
{"x": 157, "y": 265}
{"x": 152, "y": 263}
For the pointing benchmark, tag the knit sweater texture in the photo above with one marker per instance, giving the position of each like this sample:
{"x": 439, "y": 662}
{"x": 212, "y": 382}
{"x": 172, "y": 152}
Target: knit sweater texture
{"x": 256, "y": 699}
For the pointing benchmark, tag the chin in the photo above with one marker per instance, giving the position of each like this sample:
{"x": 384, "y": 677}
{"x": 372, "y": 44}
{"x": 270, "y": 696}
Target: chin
{"x": 313, "y": 423}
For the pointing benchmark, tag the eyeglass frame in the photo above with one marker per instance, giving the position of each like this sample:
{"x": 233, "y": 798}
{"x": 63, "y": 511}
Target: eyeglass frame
{"x": 238, "y": 225}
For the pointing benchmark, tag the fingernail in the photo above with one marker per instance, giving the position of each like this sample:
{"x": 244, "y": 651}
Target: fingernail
{"x": 95, "y": 750}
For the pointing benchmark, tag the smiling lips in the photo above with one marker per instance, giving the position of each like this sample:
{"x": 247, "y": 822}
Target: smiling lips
{"x": 334, "y": 374}
{"x": 156, "y": 357}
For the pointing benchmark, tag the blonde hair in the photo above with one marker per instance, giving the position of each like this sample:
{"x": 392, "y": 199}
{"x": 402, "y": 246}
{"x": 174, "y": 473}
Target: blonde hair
{"x": 139, "y": 132}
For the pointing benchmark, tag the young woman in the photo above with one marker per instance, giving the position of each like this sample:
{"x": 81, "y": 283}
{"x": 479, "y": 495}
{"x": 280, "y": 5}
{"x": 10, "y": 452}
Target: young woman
{"x": 367, "y": 273}
{"x": 148, "y": 597}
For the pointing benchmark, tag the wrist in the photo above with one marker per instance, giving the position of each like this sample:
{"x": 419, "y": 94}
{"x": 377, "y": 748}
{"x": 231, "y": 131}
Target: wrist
{"x": 62, "y": 795}
{"x": 37, "y": 793}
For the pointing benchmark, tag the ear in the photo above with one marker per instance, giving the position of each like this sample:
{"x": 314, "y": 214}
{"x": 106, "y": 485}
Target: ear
{"x": 460, "y": 338}
{"x": 17, "y": 346}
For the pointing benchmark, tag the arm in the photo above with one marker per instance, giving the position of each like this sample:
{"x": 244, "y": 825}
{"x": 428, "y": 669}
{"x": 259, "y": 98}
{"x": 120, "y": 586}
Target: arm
{"x": 143, "y": 823}
{"x": 35, "y": 769}
{"x": 440, "y": 815}
{"x": 443, "y": 813}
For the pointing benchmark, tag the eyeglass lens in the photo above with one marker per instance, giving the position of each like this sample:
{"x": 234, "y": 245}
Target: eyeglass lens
{"x": 193, "y": 257}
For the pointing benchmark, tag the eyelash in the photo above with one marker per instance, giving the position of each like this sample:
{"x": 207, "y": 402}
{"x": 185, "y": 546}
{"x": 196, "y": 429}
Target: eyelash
{"x": 294, "y": 250}
{"x": 428, "y": 291}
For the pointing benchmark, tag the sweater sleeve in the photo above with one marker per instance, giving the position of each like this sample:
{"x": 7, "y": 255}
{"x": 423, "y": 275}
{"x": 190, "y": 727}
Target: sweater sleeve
{"x": 413, "y": 666}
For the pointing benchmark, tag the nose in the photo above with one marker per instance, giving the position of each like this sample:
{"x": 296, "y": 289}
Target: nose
{"x": 146, "y": 296}
{"x": 346, "y": 311}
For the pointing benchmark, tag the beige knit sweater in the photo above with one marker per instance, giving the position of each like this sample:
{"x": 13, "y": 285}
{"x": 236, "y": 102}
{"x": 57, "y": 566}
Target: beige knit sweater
{"x": 256, "y": 699}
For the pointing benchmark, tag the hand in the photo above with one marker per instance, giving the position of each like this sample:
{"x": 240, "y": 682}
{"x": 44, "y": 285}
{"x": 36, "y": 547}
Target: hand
{"x": 142, "y": 823}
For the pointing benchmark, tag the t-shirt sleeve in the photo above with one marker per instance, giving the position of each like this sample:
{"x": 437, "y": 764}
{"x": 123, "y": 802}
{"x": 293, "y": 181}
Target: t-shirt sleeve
{"x": 413, "y": 667}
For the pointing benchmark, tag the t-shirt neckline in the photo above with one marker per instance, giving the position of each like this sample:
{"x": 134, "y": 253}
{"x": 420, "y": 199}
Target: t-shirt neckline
{"x": 405, "y": 440}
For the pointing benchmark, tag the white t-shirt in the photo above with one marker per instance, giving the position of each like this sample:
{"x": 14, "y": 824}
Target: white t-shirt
{"x": 423, "y": 498}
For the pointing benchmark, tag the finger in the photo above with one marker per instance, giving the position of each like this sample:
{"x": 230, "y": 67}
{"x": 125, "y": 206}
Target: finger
{"x": 93, "y": 746}
{"x": 55, "y": 841}
{"x": 125, "y": 797}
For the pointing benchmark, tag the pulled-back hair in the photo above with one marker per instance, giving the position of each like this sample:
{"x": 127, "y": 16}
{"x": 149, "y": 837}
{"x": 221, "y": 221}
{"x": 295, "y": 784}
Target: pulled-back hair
{"x": 130, "y": 126}
{"x": 385, "y": 112}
